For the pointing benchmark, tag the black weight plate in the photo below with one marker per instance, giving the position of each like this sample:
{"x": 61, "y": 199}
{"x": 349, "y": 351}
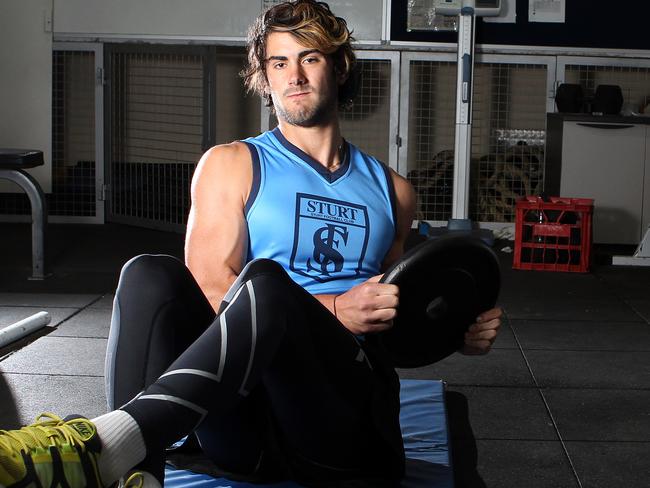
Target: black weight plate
{"x": 445, "y": 283}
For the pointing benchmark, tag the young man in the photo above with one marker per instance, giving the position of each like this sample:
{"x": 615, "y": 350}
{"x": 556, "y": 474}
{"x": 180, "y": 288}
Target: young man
{"x": 288, "y": 235}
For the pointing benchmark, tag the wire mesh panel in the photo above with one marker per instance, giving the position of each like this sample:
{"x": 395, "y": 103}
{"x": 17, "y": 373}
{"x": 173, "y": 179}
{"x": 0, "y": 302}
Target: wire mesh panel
{"x": 157, "y": 133}
{"x": 367, "y": 122}
{"x": 73, "y": 134}
{"x": 509, "y": 107}
{"x": 74, "y": 186}
{"x": 633, "y": 80}
{"x": 431, "y": 115}
{"x": 237, "y": 112}
{"x": 508, "y": 138}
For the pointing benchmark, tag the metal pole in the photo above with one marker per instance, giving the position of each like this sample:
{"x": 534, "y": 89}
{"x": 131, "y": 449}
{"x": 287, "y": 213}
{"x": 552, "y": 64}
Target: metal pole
{"x": 463, "y": 143}
{"x": 39, "y": 217}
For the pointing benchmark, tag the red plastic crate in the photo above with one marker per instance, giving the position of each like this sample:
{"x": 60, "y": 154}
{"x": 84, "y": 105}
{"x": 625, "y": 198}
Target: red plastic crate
{"x": 553, "y": 235}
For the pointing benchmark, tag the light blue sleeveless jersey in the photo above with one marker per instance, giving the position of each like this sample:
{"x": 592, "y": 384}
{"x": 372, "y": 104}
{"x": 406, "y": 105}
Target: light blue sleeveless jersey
{"x": 329, "y": 231}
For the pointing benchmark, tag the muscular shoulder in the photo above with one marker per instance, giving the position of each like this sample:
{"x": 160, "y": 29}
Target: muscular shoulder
{"x": 232, "y": 159}
{"x": 224, "y": 171}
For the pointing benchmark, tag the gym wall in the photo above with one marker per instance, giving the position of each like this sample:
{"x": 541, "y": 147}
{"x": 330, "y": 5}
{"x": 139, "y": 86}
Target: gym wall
{"x": 26, "y": 82}
{"x": 588, "y": 24}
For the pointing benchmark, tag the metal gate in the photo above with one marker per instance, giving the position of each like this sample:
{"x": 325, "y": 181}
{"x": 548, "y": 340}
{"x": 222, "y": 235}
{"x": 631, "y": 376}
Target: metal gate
{"x": 158, "y": 131}
{"x": 77, "y": 139}
{"x": 77, "y": 134}
{"x": 511, "y": 97}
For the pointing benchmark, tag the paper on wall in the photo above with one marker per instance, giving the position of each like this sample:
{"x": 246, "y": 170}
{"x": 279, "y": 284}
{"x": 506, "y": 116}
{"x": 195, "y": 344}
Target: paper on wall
{"x": 546, "y": 10}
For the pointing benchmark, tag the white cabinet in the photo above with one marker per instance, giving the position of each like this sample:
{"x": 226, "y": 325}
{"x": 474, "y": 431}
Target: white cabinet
{"x": 609, "y": 162}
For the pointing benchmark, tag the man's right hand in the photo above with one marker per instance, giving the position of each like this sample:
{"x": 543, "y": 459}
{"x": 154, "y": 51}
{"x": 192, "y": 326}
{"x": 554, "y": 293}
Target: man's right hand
{"x": 369, "y": 307}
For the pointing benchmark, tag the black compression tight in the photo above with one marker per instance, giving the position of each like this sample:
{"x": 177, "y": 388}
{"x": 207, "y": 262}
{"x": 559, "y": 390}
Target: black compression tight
{"x": 273, "y": 360}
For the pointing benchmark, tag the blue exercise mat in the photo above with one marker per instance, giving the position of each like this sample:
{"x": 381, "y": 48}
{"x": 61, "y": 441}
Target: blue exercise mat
{"x": 423, "y": 418}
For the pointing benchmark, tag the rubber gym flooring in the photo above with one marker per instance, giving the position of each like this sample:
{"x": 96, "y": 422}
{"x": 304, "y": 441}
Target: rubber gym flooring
{"x": 563, "y": 400}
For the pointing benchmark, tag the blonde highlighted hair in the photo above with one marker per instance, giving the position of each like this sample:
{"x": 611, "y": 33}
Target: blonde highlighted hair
{"x": 313, "y": 25}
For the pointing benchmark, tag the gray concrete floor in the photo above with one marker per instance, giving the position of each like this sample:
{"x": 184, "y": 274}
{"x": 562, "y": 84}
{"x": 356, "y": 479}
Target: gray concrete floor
{"x": 562, "y": 401}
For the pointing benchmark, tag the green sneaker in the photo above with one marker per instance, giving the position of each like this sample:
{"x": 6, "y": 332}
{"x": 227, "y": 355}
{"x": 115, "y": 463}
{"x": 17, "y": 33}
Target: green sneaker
{"x": 51, "y": 453}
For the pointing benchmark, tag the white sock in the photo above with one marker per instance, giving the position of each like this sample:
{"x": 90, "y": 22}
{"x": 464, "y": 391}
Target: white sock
{"x": 122, "y": 445}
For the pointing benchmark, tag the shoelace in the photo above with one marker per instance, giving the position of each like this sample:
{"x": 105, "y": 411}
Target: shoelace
{"x": 136, "y": 480}
{"x": 53, "y": 431}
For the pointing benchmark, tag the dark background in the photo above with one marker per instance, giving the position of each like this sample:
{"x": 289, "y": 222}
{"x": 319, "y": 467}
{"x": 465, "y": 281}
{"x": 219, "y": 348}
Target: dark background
{"x": 588, "y": 23}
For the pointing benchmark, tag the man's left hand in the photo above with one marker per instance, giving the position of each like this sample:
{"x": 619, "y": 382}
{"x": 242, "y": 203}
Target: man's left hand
{"x": 481, "y": 335}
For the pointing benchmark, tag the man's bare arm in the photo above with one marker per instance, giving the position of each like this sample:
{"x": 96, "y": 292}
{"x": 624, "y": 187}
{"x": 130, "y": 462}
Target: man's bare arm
{"x": 405, "y": 196}
{"x": 217, "y": 237}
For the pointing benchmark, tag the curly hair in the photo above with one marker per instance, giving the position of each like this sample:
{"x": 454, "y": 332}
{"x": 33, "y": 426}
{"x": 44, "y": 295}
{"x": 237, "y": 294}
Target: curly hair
{"x": 314, "y": 26}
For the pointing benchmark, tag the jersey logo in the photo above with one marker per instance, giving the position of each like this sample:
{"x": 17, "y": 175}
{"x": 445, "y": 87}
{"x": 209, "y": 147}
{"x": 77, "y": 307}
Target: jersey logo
{"x": 330, "y": 238}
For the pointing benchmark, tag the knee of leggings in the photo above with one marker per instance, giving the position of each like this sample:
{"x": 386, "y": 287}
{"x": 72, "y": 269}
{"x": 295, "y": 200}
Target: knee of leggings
{"x": 151, "y": 269}
{"x": 268, "y": 282}
{"x": 153, "y": 279}
{"x": 262, "y": 266}
{"x": 151, "y": 263}
{"x": 270, "y": 279}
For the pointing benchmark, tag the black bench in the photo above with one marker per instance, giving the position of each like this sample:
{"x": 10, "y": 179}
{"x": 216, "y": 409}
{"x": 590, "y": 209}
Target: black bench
{"x": 13, "y": 163}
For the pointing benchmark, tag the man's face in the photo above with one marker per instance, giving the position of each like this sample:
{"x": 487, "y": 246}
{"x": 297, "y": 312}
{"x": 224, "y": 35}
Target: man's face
{"x": 302, "y": 81}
